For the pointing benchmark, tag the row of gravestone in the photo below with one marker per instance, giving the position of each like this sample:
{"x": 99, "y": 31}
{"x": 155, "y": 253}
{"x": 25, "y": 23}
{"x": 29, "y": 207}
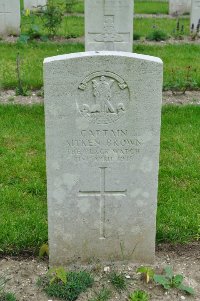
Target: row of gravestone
{"x": 180, "y": 7}
{"x": 10, "y": 17}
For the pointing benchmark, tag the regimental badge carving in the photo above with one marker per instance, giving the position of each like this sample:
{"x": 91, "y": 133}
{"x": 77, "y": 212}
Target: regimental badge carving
{"x": 105, "y": 97}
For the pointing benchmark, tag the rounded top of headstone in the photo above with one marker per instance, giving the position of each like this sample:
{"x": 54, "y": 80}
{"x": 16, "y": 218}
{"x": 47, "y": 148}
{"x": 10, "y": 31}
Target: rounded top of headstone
{"x": 102, "y": 53}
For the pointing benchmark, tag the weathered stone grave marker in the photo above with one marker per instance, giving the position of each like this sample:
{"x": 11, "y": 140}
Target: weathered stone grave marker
{"x": 109, "y": 25}
{"x": 195, "y": 16}
{"x": 179, "y": 7}
{"x": 33, "y": 4}
{"x": 9, "y": 17}
{"x": 102, "y": 142}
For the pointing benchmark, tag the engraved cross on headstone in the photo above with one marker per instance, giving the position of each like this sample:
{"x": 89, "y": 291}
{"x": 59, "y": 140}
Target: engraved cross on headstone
{"x": 110, "y": 36}
{"x": 102, "y": 193}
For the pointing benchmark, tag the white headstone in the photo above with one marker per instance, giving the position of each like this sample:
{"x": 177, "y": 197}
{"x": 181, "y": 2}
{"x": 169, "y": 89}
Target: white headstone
{"x": 179, "y": 7}
{"x": 109, "y": 25}
{"x": 33, "y": 4}
{"x": 102, "y": 145}
{"x": 9, "y": 17}
{"x": 195, "y": 15}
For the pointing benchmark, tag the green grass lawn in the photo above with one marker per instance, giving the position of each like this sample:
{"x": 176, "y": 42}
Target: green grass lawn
{"x": 23, "y": 214}
{"x": 175, "y": 57}
{"x": 140, "y": 7}
{"x": 151, "y": 7}
{"x": 144, "y": 26}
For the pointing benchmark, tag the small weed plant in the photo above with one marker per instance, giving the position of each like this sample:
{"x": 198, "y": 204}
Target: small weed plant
{"x": 147, "y": 273}
{"x": 103, "y": 295}
{"x": 179, "y": 31}
{"x": 118, "y": 281}
{"x": 139, "y": 295}
{"x": 34, "y": 29}
{"x": 57, "y": 275}
{"x": 65, "y": 285}
{"x": 20, "y": 89}
{"x": 3, "y": 295}
{"x": 44, "y": 251}
{"x": 2, "y": 283}
{"x": 7, "y": 297}
{"x": 182, "y": 80}
{"x": 169, "y": 280}
{"x": 195, "y": 32}
{"x": 157, "y": 35}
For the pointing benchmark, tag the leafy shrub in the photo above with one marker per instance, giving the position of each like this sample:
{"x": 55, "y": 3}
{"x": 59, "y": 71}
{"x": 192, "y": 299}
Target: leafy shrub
{"x": 52, "y": 17}
{"x": 139, "y": 296}
{"x": 157, "y": 35}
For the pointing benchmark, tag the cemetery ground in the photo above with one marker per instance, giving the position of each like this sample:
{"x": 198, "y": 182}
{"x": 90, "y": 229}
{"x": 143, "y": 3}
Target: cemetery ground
{"x": 23, "y": 215}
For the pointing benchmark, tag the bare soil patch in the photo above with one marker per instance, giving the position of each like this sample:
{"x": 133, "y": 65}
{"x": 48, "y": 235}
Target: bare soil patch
{"x": 185, "y": 259}
{"x": 9, "y": 96}
{"x": 190, "y": 97}
{"x": 35, "y": 97}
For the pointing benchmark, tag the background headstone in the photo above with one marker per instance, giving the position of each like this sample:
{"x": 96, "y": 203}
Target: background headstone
{"x": 9, "y": 17}
{"x": 109, "y": 25}
{"x": 195, "y": 15}
{"x": 102, "y": 144}
{"x": 32, "y": 4}
{"x": 179, "y": 7}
